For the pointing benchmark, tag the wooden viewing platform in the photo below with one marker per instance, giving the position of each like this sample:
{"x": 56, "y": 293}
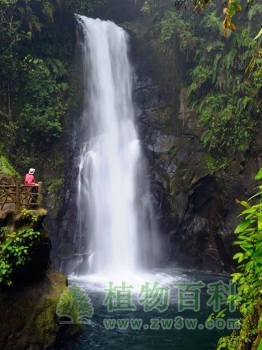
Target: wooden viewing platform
{"x": 18, "y": 196}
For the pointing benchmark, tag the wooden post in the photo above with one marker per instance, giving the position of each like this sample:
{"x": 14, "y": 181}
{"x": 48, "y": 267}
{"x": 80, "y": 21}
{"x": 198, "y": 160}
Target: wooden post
{"x": 17, "y": 196}
{"x": 40, "y": 197}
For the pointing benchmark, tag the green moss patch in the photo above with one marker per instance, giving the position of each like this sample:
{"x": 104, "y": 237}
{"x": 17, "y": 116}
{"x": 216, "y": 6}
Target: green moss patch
{"x": 6, "y": 168}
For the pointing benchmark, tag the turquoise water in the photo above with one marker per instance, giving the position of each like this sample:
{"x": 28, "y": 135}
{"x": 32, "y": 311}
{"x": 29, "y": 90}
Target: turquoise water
{"x": 185, "y": 329}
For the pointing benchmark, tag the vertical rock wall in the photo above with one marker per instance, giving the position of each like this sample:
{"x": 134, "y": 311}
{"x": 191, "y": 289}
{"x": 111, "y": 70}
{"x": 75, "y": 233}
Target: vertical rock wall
{"x": 195, "y": 201}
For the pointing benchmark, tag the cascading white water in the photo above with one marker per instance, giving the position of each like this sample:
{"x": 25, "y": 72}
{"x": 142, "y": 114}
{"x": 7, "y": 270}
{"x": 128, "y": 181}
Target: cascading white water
{"x": 114, "y": 212}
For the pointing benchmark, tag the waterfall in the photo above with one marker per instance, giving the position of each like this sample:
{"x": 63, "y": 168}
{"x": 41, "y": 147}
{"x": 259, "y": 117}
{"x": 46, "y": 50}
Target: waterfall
{"x": 115, "y": 225}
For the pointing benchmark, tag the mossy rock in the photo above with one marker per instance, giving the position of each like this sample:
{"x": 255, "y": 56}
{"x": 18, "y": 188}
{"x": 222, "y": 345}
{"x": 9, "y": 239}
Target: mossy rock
{"x": 30, "y": 316}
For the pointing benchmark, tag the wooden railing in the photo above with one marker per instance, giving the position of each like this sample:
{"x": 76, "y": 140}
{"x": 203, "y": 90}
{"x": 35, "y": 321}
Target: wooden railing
{"x": 18, "y": 196}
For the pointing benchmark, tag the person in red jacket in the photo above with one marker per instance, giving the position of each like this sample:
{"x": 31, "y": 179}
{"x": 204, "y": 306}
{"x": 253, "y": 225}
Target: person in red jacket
{"x": 31, "y": 184}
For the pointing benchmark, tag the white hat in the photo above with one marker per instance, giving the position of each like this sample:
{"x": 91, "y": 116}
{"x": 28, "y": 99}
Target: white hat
{"x": 31, "y": 171}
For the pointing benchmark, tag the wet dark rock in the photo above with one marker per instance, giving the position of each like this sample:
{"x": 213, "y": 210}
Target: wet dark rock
{"x": 195, "y": 205}
{"x": 28, "y": 306}
{"x": 29, "y": 314}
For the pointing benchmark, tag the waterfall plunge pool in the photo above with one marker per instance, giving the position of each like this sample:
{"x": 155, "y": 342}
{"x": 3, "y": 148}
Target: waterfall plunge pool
{"x": 125, "y": 328}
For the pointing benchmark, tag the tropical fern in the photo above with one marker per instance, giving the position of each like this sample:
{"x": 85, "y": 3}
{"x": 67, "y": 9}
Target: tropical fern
{"x": 256, "y": 9}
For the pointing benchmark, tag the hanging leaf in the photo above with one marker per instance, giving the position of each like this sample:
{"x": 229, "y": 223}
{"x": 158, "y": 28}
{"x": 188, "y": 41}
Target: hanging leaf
{"x": 259, "y": 174}
{"x": 259, "y": 34}
{"x": 242, "y": 226}
{"x": 260, "y": 345}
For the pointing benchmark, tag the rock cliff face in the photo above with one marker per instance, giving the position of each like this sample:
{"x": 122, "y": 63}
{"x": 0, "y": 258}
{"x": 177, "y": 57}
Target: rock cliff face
{"x": 28, "y": 306}
{"x": 29, "y": 314}
{"x": 194, "y": 201}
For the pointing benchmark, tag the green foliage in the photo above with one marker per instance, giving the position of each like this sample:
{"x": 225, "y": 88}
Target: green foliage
{"x": 228, "y": 343}
{"x": 175, "y": 32}
{"x": 227, "y": 101}
{"x": 55, "y": 184}
{"x": 15, "y": 250}
{"x": 249, "y": 233}
{"x": 230, "y": 9}
{"x": 74, "y": 304}
{"x": 6, "y": 167}
{"x": 44, "y": 107}
{"x": 36, "y": 49}
{"x": 254, "y": 69}
{"x": 226, "y": 127}
{"x": 28, "y": 213}
{"x": 259, "y": 175}
{"x": 213, "y": 164}
{"x": 88, "y": 7}
{"x": 248, "y": 276}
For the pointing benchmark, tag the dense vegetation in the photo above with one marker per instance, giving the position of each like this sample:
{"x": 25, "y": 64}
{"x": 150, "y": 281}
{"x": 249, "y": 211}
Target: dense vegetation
{"x": 226, "y": 98}
{"x": 36, "y": 59}
{"x": 15, "y": 250}
{"x": 32, "y": 77}
{"x": 248, "y": 276}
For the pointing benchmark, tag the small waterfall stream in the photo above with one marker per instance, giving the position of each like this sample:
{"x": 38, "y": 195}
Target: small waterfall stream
{"x": 114, "y": 208}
